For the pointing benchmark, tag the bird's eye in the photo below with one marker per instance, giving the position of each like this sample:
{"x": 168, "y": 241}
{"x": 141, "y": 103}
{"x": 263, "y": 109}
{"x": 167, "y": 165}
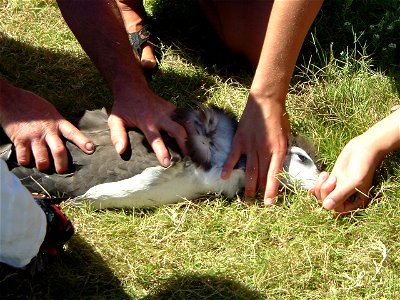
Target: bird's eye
{"x": 302, "y": 157}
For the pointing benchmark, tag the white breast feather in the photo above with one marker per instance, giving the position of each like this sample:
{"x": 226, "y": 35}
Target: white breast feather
{"x": 156, "y": 186}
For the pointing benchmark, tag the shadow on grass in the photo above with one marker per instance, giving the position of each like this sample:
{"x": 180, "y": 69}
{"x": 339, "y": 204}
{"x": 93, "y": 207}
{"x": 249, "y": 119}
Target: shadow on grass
{"x": 78, "y": 273}
{"x": 73, "y": 83}
{"x": 182, "y": 24}
{"x": 196, "y": 287}
{"x": 70, "y": 83}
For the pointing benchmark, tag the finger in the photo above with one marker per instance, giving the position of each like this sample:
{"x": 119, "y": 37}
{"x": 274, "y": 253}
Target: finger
{"x": 73, "y": 134}
{"x": 271, "y": 189}
{"x": 157, "y": 143}
{"x": 232, "y": 160}
{"x": 178, "y": 132}
{"x": 335, "y": 200}
{"x": 119, "y": 136}
{"x": 328, "y": 186}
{"x": 39, "y": 150}
{"x": 263, "y": 173}
{"x": 251, "y": 176}
{"x": 360, "y": 201}
{"x": 317, "y": 188}
{"x": 23, "y": 153}
{"x": 59, "y": 153}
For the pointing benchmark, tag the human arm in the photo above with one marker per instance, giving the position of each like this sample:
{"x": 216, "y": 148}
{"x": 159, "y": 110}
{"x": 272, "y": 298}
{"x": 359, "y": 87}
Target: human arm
{"x": 264, "y": 126}
{"x": 35, "y": 126}
{"x": 355, "y": 167}
{"x": 99, "y": 28}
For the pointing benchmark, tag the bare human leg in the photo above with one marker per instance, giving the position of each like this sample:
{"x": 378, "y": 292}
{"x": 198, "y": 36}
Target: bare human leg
{"x": 134, "y": 16}
{"x": 240, "y": 24}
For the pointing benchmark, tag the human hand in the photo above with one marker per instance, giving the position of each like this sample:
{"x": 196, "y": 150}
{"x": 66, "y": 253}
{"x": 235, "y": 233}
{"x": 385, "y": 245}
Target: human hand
{"x": 351, "y": 176}
{"x": 35, "y": 126}
{"x": 150, "y": 113}
{"x": 262, "y": 136}
{"x": 100, "y": 30}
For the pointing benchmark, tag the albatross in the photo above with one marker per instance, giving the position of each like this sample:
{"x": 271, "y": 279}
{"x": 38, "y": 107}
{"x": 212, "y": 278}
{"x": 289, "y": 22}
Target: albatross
{"x": 135, "y": 179}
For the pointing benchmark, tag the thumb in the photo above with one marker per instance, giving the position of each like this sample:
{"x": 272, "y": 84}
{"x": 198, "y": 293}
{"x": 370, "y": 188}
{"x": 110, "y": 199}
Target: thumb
{"x": 336, "y": 199}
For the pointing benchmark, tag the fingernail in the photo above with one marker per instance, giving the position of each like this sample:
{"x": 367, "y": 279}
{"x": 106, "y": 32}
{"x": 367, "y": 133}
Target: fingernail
{"x": 166, "y": 162}
{"x": 331, "y": 179}
{"x": 89, "y": 147}
{"x": 322, "y": 176}
{"x": 328, "y": 203}
{"x": 269, "y": 201}
{"x": 118, "y": 147}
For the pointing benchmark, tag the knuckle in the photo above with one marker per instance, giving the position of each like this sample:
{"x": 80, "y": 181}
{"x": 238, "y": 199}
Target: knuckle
{"x": 22, "y": 159}
{"x": 156, "y": 139}
{"x": 58, "y": 150}
{"x": 42, "y": 164}
{"x": 19, "y": 142}
{"x": 69, "y": 132}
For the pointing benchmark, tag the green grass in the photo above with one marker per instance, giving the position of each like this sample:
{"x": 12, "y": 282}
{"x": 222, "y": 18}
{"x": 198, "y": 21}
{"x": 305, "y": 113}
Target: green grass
{"x": 216, "y": 248}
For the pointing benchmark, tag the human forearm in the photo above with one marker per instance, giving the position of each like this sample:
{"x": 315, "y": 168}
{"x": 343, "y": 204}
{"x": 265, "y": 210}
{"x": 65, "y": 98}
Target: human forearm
{"x": 99, "y": 29}
{"x": 355, "y": 167}
{"x": 4, "y": 91}
{"x": 384, "y": 136}
{"x": 288, "y": 25}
